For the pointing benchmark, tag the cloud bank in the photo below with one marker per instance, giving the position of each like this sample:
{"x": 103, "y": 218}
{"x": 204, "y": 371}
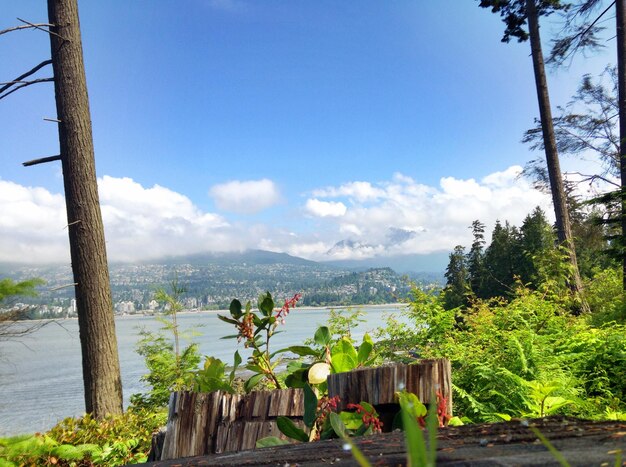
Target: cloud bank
{"x": 357, "y": 219}
{"x": 402, "y": 216}
{"x": 245, "y": 197}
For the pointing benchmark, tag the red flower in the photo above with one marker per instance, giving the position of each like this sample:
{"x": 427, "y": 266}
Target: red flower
{"x": 289, "y": 303}
{"x": 368, "y": 418}
{"x": 246, "y": 327}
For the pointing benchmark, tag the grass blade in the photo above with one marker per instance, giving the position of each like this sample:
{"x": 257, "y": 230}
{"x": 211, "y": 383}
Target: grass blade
{"x": 554, "y": 451}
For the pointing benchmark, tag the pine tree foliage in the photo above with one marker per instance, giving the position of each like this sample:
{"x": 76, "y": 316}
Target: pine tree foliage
{"x": 456, "y": 275}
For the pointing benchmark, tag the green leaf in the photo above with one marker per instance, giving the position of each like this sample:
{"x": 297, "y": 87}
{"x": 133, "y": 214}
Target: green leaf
{"x": 352, "y": 420}
{"x": 270, "y": 441}
{"x": 67, "y": 451}
{"x": 455, "y": 421}
{"x": 231, "y": 336}
{"x": 342, "y": 363}
{"x": 432, "y": 423}
{"x": 296, "y": 365}
{"x": 365, "y": 349}
{"x": 255, "y": 368}
{"x": 322, "y": 336}
{"x": 228, "y": 320}
{"x": 363, "y": 430}
{"x": 358, "y": 455}
{"x": 297, "y": 379}
{"x": 235, "y": 309}
{"x": 310, "y": 406}
{"x": 213, "y": 368}
{"x": 237, "y": 359}
{"x": 288, "y": 428}
{"x": 343, "y": 356}
{"x": 415, "y": 444}
{"x": 266, "y": 304}
{"x": 258, "y": 323}
{"x": 301, "y": 350}
{"x": 253, "y": 381}
{"x": 337, "y": 424}
{"x": 411, "y": 403}
{"x": 368, "y": 407}
{"x": 554, "y": 451}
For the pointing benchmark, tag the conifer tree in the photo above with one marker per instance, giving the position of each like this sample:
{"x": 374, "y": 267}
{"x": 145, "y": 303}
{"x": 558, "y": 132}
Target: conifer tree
{"x": 521, "y": 18}
{"x": 457, "y": 285}
{"x": 476, "y": 258}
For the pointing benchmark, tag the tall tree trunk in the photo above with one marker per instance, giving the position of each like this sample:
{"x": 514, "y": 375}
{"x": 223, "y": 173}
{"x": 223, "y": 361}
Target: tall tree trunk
{"x": 101, "y": 368}
{"x": 563, "y": 226}
{"x": 620, "y": 20}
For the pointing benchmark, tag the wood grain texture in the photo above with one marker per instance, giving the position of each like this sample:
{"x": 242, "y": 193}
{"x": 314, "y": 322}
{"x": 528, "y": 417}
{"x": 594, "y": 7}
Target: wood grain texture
{"x": 100, "y": 361}
{"x": 378, "y": 386}
{"x": 203, "y": 423}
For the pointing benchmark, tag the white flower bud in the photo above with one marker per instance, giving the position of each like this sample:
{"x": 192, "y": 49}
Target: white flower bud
{"x": 318, "y": 373}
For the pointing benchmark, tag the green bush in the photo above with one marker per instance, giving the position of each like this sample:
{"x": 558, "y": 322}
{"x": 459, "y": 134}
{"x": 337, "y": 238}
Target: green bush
{"x": 115, "y": 440}
{"x": 524, "y": 357}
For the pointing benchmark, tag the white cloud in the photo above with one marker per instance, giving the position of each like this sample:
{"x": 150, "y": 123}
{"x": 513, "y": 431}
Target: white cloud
{"x": 431, "y": 218}
{"x": 325, "y": 208}
{"x": 359, "y": 191}
{"x": 32, "y": 224}
{"x": 504, "y": 178}
{"x": 245, "y": 197}
{"x": 139, "y": 222}
{"x": 353, "y": 220}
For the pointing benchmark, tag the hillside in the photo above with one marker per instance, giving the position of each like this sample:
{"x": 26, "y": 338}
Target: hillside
{"x": 213, "y": 280}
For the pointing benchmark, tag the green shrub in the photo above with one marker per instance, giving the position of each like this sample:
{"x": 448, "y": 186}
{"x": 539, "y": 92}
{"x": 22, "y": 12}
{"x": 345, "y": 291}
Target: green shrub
{"x": 116, "y": 440}
{"x": 524, "y": 357}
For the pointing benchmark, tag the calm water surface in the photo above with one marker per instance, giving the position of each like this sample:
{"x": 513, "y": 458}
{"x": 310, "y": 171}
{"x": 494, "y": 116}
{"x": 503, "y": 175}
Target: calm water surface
{"x": 41, "y": 376}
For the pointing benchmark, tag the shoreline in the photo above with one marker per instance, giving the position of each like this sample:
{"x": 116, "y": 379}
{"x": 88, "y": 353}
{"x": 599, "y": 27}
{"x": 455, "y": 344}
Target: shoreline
{"x": 198, "y": 312}
{"x": 310, "y": 308}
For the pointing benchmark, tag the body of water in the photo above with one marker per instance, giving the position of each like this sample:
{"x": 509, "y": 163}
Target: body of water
{"x": 41, "y": 374}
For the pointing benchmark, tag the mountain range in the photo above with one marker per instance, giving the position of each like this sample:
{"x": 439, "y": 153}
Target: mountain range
{"x": 213, "y": 279}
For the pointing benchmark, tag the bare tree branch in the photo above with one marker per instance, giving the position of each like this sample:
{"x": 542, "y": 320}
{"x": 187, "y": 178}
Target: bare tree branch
{"x": 42, "y": 29}
{"x": 13, "y": 324}
{"x": 27, "y": 83}
{"x": 42, "y": 160}
{"x": 27, "y": 26}
{"x": 25, "y": 75}
{"x": 593, "y": 178}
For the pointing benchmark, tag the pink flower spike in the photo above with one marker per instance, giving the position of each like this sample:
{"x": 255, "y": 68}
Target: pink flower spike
{"x": 289, "y": 303}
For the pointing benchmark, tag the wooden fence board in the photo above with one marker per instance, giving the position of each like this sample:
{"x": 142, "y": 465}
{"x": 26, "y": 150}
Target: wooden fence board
{"x": 200, "y": 423}
{"x": 221, "y": 422}
{"x": 378, "y": 386}
{"x": 583, "y": 443}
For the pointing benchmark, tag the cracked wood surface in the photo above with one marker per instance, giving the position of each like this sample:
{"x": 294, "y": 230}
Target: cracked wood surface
{"x": 582, "y": 443}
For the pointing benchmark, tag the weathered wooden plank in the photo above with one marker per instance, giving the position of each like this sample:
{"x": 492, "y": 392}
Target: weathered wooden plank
{"x": 169, "y": 444}
{"x": 221, "y": 422}
{"x": 288, "y": 402}
{"x": 378, "y": 386}
{"x": 583, "y": 443}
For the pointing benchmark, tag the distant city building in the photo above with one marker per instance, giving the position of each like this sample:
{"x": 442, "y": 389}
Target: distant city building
{"x": 125, "y": 307}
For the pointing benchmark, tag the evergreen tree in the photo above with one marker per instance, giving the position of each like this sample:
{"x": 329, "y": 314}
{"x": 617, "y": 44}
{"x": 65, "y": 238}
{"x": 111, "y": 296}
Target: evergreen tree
{"x": 536, "y": 237}
{"x": 502, "y": 259}
{"x": 456, "y": 275}
{"x": 476, "y": 257}
{"x": 521, "y": 18}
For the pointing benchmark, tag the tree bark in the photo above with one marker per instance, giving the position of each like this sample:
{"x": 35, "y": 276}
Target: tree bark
{"x": 563, "y": 226}
{"x": 101, "y": 369}
{"x": 620, "y": 22}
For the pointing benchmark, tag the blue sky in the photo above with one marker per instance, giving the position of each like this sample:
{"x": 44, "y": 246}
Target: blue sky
{"x": 283, "y": 125}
